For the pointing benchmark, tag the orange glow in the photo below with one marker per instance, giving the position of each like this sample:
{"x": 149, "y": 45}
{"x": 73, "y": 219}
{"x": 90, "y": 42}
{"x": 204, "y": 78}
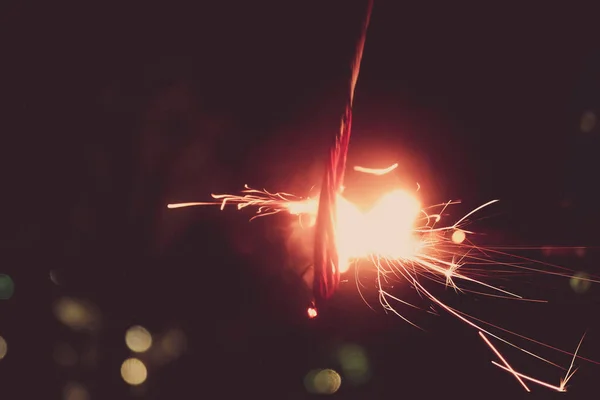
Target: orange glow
{"x": 312, "y": 312}
{"x": 387, "y": 229}
{"x": 391, "y": 224}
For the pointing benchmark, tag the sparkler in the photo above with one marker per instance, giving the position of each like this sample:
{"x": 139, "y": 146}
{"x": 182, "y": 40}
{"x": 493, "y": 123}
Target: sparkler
{"x": 326, "y": 254}
{"x": 404, "y": 241}
{"x": 400, "y": 239}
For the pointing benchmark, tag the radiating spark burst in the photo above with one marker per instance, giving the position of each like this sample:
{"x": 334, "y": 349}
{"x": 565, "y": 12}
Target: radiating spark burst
{"x": 403, "y": 241}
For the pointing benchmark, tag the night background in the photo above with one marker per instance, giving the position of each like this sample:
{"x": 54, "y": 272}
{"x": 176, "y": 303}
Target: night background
{"x": 112, "y": 111}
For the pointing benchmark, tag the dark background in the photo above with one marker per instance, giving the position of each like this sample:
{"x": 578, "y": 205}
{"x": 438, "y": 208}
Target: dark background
{"x": 113, "y": 111}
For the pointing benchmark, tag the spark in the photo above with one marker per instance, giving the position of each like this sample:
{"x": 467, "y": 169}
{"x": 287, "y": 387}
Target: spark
{"x": 570, "y": 372}
{"x": 506, "y": 364}
{"x": 529, "y": 378}
{"x": 376, "y": 171}
{"x": 266, "y": 203}
{"x": 404, "y": 241}
{"x": 562, "y": 387}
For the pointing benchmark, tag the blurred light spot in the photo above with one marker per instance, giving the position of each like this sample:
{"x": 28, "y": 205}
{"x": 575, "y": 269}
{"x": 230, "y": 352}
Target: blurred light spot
{"x": 458, "y": 236}
{"x": 54, "y": 277}
{"x": 3, "y": 348}
{"x": 580, "y": 252}
{"x": 133, "y": 371}
{"x": 138, "y": 339}
{"x": 65, "y": 355}
{"x": 588, "y": 121}
{"x": 76, "y": 314}
{"x": 312, "y": 312}
{"x": 75, "y": 391}
{"x": 580, "y": 283}
{"x": 173, "y": 344}
{"x": 323, "y": 381}
{"x": 355, "y": 364}
{"x": 7, "y": 287}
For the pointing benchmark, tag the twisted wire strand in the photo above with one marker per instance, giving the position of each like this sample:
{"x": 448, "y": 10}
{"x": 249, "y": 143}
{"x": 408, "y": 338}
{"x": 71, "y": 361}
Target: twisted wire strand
{"x": 326, "y": 260}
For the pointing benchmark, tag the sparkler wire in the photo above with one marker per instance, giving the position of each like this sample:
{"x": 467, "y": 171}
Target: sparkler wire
{"x": 326, "y": 259}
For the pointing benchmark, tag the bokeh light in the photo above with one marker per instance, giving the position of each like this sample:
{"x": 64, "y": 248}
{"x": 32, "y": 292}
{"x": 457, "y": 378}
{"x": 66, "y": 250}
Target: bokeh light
{"x": 133, "y": 371}
{"x": 588, "y": 121}
{"x": 355, "y": 364}
{"x": 75, "y": 391}
{"x": 3, "y": 348}
{"x": 579, "y": 282}
{"x": 76, "y": 314}
{"x": 322, "y": 381}
{"x": 458, "y": 236}
{"x": 7, "y": 287}
{"x": 138, "y": 339}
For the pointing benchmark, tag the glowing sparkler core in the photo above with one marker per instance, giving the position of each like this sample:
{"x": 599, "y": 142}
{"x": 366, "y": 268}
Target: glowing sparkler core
{"x": 386, "y": 230}
{"x": 392, "y": 229}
